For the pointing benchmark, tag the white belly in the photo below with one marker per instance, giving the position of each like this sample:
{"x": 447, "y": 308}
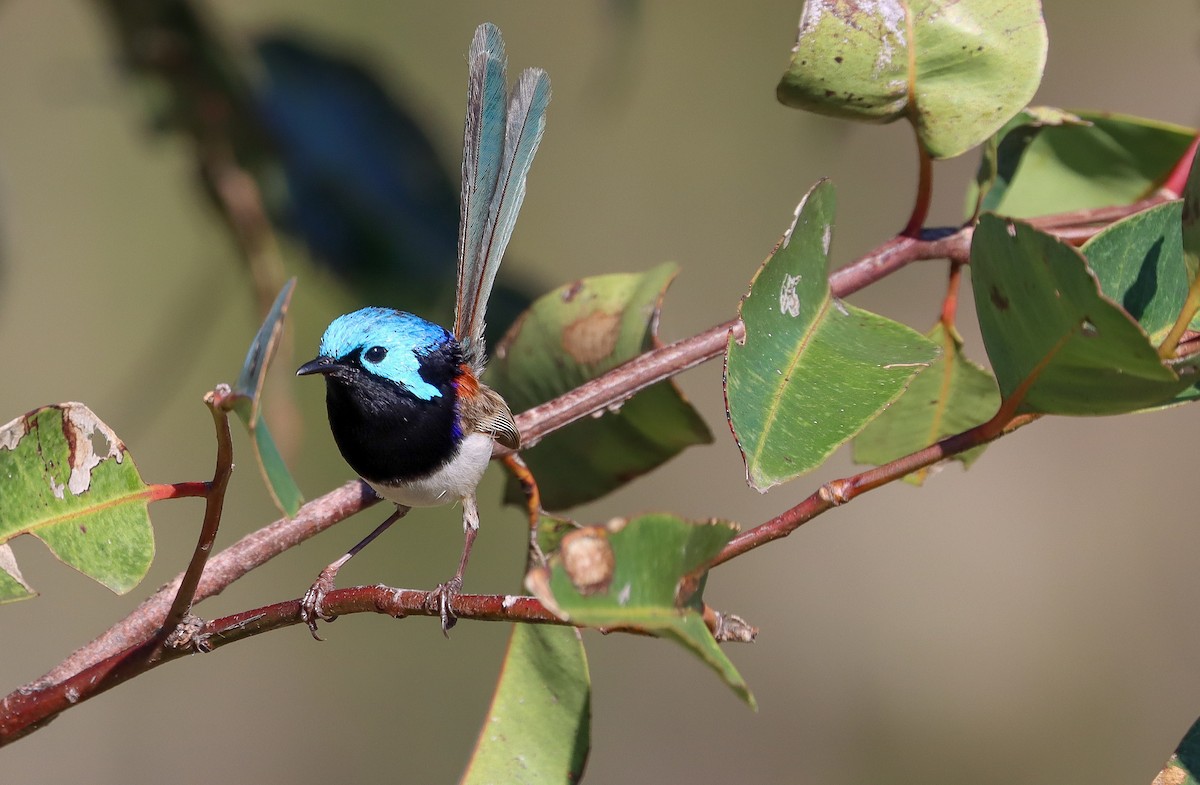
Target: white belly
{"x": 456, "y": 479}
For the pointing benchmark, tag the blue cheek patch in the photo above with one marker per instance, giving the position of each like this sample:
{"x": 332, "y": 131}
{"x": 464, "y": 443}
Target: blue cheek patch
{"x": 404, "y": 335}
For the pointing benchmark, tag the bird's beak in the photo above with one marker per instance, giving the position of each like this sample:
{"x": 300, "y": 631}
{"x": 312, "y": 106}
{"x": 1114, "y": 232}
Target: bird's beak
{"x": 321, "y": 365}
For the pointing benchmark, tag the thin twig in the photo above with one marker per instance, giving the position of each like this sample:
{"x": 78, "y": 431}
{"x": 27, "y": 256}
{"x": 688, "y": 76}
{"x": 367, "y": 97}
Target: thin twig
{"x": 838, "y": 492}
{"x": 214, "y": 505}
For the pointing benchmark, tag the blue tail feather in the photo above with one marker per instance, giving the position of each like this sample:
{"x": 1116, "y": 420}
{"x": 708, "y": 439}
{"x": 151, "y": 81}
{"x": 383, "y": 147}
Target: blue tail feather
{"x": 500, "y": 139}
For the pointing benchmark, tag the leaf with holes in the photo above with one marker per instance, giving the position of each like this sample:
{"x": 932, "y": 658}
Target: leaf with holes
{"x": 70, "y": 482}
{"x": 247, "y": 401}
{"x": 646, "y": 574}
{"x": 811, "y": 371}
{"x": 1113, "y": 159}
{"x": 1057, "y": 345}
{"x": 956, "y": 69}
{"x": 576, "y": 333}
{"x": 538, "y": 728}
{"x": 952, "y": 396}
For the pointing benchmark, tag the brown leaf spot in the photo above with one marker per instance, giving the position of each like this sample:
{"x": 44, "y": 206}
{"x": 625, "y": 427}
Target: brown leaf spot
{"x": 1171, "y": 775}
{"x": 588, "y": 560}
{"x": 90, "y": 441}
{"x": 592, "y": 338}
{"x": 998, "y": 298}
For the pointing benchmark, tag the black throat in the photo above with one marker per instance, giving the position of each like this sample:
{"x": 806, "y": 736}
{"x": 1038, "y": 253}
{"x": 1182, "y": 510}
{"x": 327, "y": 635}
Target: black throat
{"x": 387, "y": 434}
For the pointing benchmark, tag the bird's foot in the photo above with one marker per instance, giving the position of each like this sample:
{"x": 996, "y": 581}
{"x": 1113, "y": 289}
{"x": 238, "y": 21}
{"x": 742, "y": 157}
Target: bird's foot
{"x": 441, "y": 599}
{"x": 310, "y": 605}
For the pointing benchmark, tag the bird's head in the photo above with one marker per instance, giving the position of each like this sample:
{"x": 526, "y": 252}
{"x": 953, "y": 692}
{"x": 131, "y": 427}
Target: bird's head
{"x": 373, "y": 344}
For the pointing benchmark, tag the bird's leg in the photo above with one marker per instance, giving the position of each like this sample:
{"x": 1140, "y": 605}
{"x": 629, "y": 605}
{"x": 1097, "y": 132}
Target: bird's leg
{"x": 310, "y": 606}
{"x": 442, "y": 597}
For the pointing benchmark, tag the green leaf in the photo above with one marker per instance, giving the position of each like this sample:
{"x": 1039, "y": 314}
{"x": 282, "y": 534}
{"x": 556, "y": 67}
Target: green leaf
{"x": 247, "y": 397}
{"x": 571, "y": 335}
{"x": 1191, "y": 220}
{"x": 1057, "y": 345}
{"x": 952, "y": 396}
{"x": 70, "y": 482}
{"x": 811, "y": 371}
{"x": 1116, "y": 159}
{"x": 1183, "y": 768}
{"x": 1139, "y": 262}
{"x": 538, "y": 727}
{"x": 1002, "y": 153}
{"x": 644, "y": 574}
{"x": 956, "y": 69}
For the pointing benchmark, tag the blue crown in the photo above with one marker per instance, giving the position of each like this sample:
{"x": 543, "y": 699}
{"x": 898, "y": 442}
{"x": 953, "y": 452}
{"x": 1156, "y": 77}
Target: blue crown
{"x": 405, "y": 336}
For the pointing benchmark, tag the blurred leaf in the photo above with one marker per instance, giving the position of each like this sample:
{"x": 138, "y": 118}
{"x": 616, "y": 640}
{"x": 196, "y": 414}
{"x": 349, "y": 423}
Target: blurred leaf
{"x": 811, "y": 371}
{"x": 365, "y": 187}
{"x": 193, "y": 82}
{"x": 341, "y": 163}
{"x": 1184, "y": 765}
{"x": 953, "y": 395}
{"x": 246, "y": 404}
{"x": 538, "y": 727}
{"x": 71, "y": 483}
{"x": 1055, "y": 342}
{"x": 262, "y": 349}
{"x": 576, "y": 333}
{"x": 1002, "y": 154}
{"x": 282, "y": 486}
{"x": 957, "y": 69}
{"x": 1117, "y": 159}
{"x": 1139, "y": 262}
{"x": 644, "y": 574}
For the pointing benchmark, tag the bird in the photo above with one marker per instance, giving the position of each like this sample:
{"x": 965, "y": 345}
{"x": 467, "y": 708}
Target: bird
{"x": 404, "y": 398}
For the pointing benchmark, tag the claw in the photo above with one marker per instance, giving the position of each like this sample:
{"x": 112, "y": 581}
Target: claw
{"x": 310, "y": 605}
{"x": 442, "y": 598}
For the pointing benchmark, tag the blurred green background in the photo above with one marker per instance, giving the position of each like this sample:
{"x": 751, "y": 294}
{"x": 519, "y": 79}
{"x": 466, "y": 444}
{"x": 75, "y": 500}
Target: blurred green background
{"x": 1029, "y": 621}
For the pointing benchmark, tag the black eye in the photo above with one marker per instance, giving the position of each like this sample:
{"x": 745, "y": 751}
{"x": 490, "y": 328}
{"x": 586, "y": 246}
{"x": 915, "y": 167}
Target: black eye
{"x": 375, "y": 354}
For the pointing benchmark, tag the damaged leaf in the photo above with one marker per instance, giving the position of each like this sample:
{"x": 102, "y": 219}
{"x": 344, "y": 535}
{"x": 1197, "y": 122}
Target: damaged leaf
{"x": 812, "y": 371}
{"x": 1183, "y": 767}
{"x": 646, "y": 573}
{"x": 1057, "y": 344}
{"x": 70, "y": 482}
{"x": 576, "y": 333}
{"x": 956, "y": 69}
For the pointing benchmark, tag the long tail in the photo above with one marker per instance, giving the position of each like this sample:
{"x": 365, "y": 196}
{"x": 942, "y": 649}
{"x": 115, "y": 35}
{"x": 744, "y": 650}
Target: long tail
{"x": 500, "y": 139}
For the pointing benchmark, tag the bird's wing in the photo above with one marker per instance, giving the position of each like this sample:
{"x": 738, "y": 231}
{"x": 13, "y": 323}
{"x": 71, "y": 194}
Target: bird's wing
{"x": 498, "y": 146}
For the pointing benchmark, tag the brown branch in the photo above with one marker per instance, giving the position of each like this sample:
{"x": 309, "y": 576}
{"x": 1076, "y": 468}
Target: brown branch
{"x": 137, "y": 630}
{"x": 214, "y": 504}
{"x": 621, "y": 383}
{"x": 920, "y": 210}
{"x": 225, "y": 567}
{"x": 837, "y": 492}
